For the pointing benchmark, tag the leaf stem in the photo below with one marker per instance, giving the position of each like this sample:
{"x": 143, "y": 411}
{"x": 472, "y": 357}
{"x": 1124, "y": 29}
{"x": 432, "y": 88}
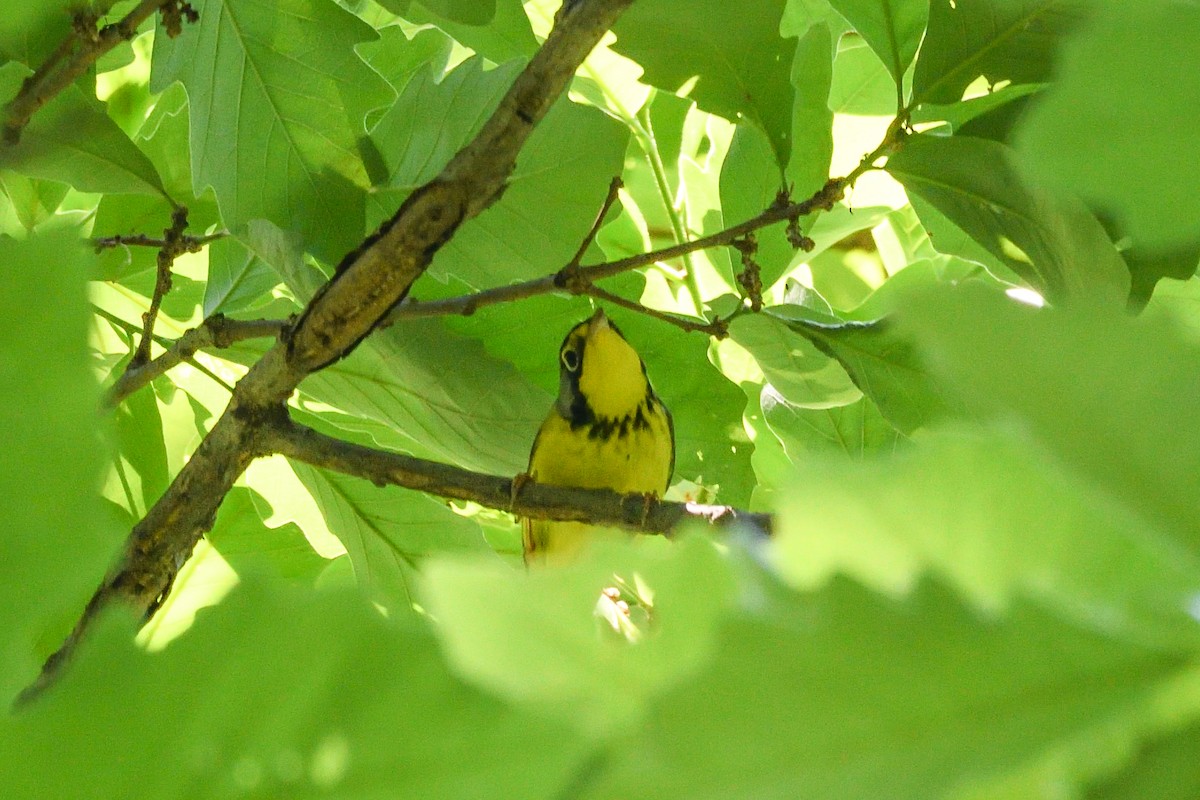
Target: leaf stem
{"x": 643, "y": 128}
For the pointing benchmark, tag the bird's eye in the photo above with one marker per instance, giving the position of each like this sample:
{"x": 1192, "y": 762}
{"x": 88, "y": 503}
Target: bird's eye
{"x": 570, "y": 360}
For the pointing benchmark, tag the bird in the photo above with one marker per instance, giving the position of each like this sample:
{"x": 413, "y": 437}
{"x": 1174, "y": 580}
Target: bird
{"x": 607, "y": 430}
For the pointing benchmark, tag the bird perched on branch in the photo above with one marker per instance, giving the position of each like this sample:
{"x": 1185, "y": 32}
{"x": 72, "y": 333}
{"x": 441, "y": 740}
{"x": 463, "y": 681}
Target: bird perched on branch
{"x": 607, "y": 430}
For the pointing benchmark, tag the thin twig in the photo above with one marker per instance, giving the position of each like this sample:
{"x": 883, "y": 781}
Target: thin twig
{"x": 167, "y": 344}
{"x": 192, "y": 244}
{"x": 217, "y": 331}
{"x": 467, "y": 305}
{"x": 172, "y": 247}
{"x": 718, "y": 328}
{"x": 71, "y": 59}
{"x": 614, "y": 191}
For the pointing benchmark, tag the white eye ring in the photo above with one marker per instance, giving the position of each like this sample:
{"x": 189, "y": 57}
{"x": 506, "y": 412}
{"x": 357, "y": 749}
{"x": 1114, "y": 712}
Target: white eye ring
{"x": 570, "y": 360}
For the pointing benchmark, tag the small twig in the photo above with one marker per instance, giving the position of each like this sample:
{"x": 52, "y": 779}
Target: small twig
{"x": 750, "y": 278}
{"x": 72, "y": 58}
{"x": 217, "y": 331}
{"x": 191, "y": 244}
{"x": 614, "y": 192}
{"x": 167, "y": 254}
{"x": 718, "y": 328}
{"x": 467, "y": 305}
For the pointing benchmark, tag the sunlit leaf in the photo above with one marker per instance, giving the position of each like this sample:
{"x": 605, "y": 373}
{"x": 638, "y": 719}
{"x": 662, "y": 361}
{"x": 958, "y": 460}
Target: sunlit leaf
{"x": 1050, "y": 240}
{"x": 387, "y": 531}
{"x": 567, "y": 165}
{"x": 1000, "y": 40}
{"x": 292, "y": 68}
{"x": 72, "y": 140}
{"x": 56, "y": 539}
{"x": 1140, "y": 170}
{"x": 862, "y": 697}
{"x": 739, "y": 62}
{"x": 892, "y": 28}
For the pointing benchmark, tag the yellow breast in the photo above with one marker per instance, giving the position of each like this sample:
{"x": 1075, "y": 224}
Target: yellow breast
{"x": 632, "y": 458}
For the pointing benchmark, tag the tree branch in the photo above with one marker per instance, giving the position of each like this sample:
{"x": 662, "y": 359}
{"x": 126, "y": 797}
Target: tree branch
{"x": 74, "y": 56}
{"x": 172, "y": 247}
{"x": 217, "y": 331}
{"x": 537, "y": 501}
{"x": 467, "y": 305}
{"x": 368, "y": 283}
{"x": 192, "y": 244}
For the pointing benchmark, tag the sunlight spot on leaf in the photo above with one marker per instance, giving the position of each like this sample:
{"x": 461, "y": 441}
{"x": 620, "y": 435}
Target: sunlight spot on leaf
{"x": 247, "y": 773}
{"x": 1013, "y": 251}
{"x": 1027, "y": 296}
{"x": 330, "y": 761}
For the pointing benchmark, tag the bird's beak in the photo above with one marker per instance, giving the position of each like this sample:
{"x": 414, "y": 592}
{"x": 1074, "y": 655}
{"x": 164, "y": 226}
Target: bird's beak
{"x": 597, "y": 323}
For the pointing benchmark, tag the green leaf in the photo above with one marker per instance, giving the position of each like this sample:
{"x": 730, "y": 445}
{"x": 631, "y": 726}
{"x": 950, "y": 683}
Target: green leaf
{"x": 960, "y": 114}
{"x": 997, "y": 518}
{"x": 740, "y": 63}
{"x": 507, "y": 35}
{"x": 387, "y": 531}
{"x": 811, "y": 133}
{"x": 843, "y": 694}
{"x": 466, "y": 12}
{"x": 861, "y": 83}
{"x": 238, "y": 280}
{"x": 278, "y": 98}
{"x": 29, "y": 201}
{"x": 551, "y": 199}
{"x": 749, "y": 184}
{"x": 793, "y": 366}
{"x": 251, "y": 547}
{"x": 1001, "y": 40}
{"x": 435, "y": 116}
{"x": 56, "y": 540}
{"x": 72, "y": 140}
{"x": 1167, "y": 768}
{"x": 1104, "y": 392}
{"x": 399, "y": 57}
{"x": 892, "y": 28}
{"x": 856, "y": 430}
{"x": 883, "y": 362}
{"x": 29, "y": 32}
{"x": 276, "y": 694}
{"x": 532, "y": 638}
{"x": 140, "y": 462}
{"x": 1052, "y": 241}
{"x": 1149, "y": 266}
{"x": 1133, "y": 74}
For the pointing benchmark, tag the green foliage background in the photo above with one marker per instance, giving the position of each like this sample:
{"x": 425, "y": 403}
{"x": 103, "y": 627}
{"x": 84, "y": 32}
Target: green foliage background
{"x": 986, "y": 579}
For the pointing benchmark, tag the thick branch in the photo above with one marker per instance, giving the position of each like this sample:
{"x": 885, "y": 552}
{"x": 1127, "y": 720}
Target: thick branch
{"x": 537, "y": 501}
